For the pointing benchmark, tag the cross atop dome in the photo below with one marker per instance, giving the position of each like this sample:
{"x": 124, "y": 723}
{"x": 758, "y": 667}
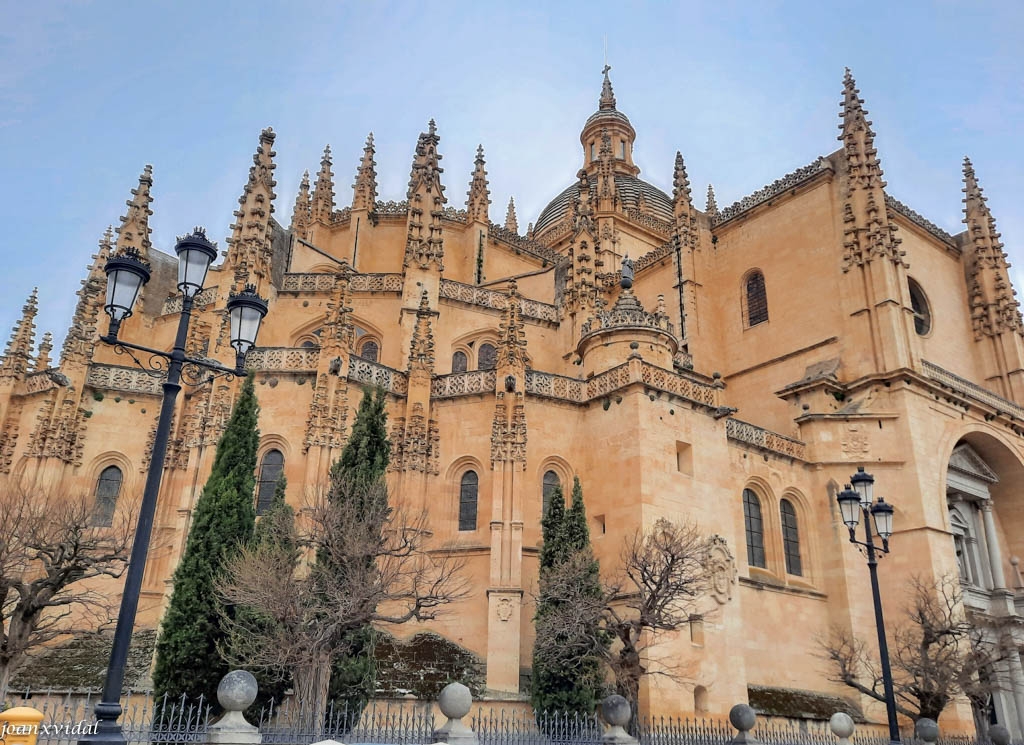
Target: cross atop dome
{"x": 607, "y": 102}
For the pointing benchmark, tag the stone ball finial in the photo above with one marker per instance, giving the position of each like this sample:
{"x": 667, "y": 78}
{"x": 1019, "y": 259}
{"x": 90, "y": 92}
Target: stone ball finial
{"x": 742, "y": 717}
{"x": 237, "y": 690}
{"x": 841, "y": 725}
{"x": 615, "y": 710}
{"x": 997, "y": 733}
{"x": 455, "y": 700}
{"x": 928, "y": 730}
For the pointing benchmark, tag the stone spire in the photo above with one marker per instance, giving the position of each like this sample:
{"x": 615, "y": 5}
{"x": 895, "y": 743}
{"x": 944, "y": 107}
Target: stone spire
{"x": 511, "y": 221}
{"x": 43, "y": 357}
{"x": 323, "y": 194}
{"x": 365, "y": 188}
{"x": 607, "y": 102}
{"x": 302, "y": 214}
{"x": 869, "y": 231}
{"x": 421, "y": 351}
{"x": 81, "y": 337}
{"x": 479, "y": 193}
{"x": 424, "y": 244}
{"x": 712, "y": 206}
{"x": 134, "y": 229}
{"x": 15, "y": 363}
{"x": 249, "y": 252}
{"x": 511, "y": 337}
{"x": 994, "y": 306}
{"x": 684, "y": 214}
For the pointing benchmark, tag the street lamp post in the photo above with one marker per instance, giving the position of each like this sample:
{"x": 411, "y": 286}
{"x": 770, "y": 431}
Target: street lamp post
{"x": 126, "y": 274}
{"x": 852, "y": 502}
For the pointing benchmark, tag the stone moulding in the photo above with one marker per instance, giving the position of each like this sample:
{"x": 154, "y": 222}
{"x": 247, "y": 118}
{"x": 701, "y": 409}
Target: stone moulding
{"x": 764, "y": 439}
{"x": 922, "y": 222}
{"x": 284, "y": 359}
{"x": 40, "y": 381}
{"x": 653, "y": 224}
{"x": 128, "y": 379}
{"x": 966, "y": 388}
{"x": 374, "y": 374}
{"x": 574, "y": 390}
{"x": 483, "y": 297}
{"x": 470, "y": 383}
{"x": 618, "y": 318}
{"x": 308, "y": 282}
{"x": 207, "y": 297}
{"x": 516, "y": 241}
{"x": 774, "y": 189}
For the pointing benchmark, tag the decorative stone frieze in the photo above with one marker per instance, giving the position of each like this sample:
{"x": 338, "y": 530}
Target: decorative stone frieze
{"x": 764, "y": 439}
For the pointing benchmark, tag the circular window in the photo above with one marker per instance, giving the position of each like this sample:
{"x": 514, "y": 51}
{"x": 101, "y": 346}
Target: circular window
{"x": 919, "y": 304}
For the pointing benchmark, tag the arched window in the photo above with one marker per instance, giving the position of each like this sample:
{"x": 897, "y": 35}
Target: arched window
{"x": 270, "y": 471}
{"x": 467, "y": 500}
{"x": 370, "y": 350}
{"x": 700, "y": 700}
{"x": 757, "y": 299}
{"x": 108, "y": 486}
{"x": 308, "y": 344}
{"x": 460, "y": 363}
{"x": 550, "y": 484}
{"x": 487, "y": 357}
{"x": 790, "y": 538}
{"x": 922, "y": 313}
{"x": 754, "y": 528}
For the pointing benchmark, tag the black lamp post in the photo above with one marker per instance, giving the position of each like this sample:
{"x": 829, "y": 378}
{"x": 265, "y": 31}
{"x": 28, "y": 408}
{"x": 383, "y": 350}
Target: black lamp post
{"x": 852, "y": 502}
{"x": 126, "y": 274}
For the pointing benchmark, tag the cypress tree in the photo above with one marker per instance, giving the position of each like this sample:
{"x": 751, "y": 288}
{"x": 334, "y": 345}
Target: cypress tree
{"x": 363, "y": 461}
{"x": 557, "y": 685}
{"x": 188, "y": 661}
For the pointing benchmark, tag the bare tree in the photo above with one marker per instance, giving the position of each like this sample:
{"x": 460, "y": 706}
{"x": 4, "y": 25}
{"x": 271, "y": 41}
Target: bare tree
{"x": 664, "y": 574}
{"x": 50, "y": 549}
{"x": 937, "y": 654}
{"x": 373, "y": 565}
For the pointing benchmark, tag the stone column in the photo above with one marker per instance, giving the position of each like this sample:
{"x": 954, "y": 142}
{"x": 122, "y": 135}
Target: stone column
{"x": 995, "y": 556}
{"x": 1017, "y": 683}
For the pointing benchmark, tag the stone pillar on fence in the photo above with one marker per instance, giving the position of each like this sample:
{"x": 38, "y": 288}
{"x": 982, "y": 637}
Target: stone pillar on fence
{"x": 20, "y": 725}
{"x": 615, "y": 710}
{"x": 842, "y": 727}
{"x": 455, "y": 701}
{"x": 999, "y": 735}
{"x": 926, "y": 730}
{"x": 236, "y": 692}
{"x": 743, "y": 718}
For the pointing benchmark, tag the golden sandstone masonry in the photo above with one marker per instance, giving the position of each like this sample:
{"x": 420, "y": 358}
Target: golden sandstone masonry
{"x": 762, "y": 353}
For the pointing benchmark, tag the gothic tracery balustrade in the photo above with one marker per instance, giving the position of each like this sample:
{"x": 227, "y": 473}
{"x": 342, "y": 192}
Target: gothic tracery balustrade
{"x": 128, "y": 379}
{"x": 284, "y": 359}
{"x": 764, "y": 439}
{"x": 463, "y": 384}
{"x": 375, "y": 374}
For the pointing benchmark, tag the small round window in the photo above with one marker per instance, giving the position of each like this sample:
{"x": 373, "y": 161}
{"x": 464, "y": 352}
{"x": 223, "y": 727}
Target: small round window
{"x": 919, "y": 304}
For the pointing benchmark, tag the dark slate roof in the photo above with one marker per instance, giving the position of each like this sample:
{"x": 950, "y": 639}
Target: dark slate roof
{"x": 630, "y": 188}
{"x": 607, "y": 114}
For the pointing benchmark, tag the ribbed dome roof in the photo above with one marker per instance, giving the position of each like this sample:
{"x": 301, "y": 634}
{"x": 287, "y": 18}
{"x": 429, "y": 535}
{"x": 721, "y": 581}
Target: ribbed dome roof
{"x": 630, "y": 188}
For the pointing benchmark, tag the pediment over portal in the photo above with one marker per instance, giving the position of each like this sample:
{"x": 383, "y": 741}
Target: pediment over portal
{"x": 967, "y": 462}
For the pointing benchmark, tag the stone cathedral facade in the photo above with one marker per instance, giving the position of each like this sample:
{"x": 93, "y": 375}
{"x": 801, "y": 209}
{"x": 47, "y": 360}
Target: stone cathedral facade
{"x": 763, "y": 353}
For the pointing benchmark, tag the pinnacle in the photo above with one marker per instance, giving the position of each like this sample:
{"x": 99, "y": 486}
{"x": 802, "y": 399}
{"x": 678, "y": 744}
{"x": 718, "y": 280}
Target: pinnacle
{"x": 305, "y": 179}
{"x": 432, "y": 127}
{"x": 680, "y": 181}
{"x": 369, "y": 141}
{"x": 712, "y": 204}
{"x": 326, "y": 159}
{"x": 511, "y": 222}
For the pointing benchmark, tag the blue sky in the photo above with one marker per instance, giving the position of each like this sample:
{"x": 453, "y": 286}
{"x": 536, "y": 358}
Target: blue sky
{"x": 92, "y": 91}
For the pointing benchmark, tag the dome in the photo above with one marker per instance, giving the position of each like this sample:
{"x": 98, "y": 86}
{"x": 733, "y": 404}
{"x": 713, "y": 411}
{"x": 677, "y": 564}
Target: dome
{"x": 657, "y": 202}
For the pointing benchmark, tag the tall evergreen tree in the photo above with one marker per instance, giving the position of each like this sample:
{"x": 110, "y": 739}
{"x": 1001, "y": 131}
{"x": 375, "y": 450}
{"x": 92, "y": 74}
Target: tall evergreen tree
{"x": 363, "y": 461}
{"x": 568, "y": 569}
{"x": 188, "y": 659}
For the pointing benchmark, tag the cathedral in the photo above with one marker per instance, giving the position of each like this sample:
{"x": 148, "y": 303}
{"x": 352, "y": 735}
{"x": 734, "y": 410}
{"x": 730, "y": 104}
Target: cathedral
{"x": 727, "y": 366}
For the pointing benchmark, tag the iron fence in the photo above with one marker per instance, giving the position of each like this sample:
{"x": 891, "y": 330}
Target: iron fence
{"x": 182, "y": 721}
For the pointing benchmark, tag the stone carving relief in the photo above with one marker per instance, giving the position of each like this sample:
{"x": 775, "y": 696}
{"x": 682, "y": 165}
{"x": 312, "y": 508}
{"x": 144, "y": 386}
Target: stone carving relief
{"x": 722, "y": 568}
